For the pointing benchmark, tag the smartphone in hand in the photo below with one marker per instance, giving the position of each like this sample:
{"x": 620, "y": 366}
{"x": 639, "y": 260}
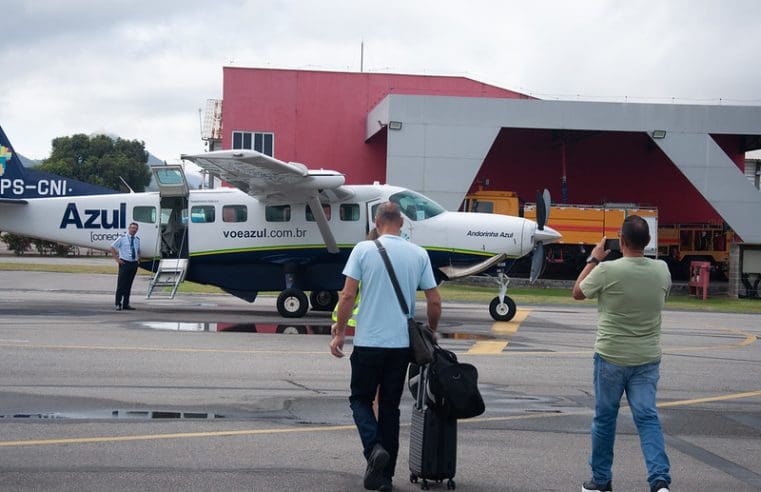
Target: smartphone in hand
{"x": 612, "y": 245}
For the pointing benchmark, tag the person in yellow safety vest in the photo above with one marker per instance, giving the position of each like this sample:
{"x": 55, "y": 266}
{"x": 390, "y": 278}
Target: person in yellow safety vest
{"x": 371, "y": 236}
{"x": 353, "y": 320}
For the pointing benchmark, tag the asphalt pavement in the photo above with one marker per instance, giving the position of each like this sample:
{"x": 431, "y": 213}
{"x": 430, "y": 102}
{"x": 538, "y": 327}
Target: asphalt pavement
{"x": 208, "y": 392}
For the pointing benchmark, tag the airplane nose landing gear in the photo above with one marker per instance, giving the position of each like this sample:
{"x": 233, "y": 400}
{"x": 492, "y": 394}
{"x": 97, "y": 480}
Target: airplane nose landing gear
{"x": 502, "y": 307}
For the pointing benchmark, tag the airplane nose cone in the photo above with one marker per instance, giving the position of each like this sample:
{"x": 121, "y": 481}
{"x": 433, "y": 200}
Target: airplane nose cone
{"x": 546, "y": 235}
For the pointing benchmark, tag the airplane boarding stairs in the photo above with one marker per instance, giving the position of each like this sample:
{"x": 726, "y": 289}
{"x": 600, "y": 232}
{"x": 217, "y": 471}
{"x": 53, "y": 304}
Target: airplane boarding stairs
{"x": 168, "y": 277}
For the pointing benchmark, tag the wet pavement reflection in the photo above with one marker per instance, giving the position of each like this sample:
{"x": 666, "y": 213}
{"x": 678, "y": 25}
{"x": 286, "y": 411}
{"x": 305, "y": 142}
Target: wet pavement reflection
{"x": 286, "y": 329}
{"x": 115, "y": 414}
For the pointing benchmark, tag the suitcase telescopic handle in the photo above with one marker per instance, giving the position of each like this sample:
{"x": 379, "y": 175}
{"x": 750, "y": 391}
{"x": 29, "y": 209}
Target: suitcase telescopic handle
{"x": 421, "y": 384}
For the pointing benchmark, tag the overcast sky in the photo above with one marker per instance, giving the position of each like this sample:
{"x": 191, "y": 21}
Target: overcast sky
{"x": 142, "y": 69}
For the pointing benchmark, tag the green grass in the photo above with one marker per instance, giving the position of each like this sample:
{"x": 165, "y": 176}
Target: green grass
{"x": 449, "y": 292}
{"x": 554, "y": 296}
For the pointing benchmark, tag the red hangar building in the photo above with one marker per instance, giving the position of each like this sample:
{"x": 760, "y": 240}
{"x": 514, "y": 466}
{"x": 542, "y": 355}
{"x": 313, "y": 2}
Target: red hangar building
{"x": 442, "y": 136}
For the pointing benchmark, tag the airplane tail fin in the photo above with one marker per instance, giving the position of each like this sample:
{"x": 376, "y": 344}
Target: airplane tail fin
{"x": 19, "y": 183}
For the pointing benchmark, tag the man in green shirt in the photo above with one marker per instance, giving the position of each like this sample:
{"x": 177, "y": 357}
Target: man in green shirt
{"x": 630, "y": 292}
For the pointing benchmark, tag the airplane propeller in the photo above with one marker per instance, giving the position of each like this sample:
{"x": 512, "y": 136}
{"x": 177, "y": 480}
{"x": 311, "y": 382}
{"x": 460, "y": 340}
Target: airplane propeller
{"x": 542, "y": 215}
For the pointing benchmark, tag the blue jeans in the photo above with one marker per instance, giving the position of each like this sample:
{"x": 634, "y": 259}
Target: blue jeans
{"x": 372, "y": 367}
{"x": 639, "y": 383}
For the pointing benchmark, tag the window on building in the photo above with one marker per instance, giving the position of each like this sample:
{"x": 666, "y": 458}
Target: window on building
{"x": 349, "y": 212}
{"x": 202, "y": 213}
{"x": 325, "y": 208}
{"x": 263, "y": 142}
{"x": 144, "y": 214}
{"x": 482, "y": 206}
{"x": 234, "y": 213}
{"x": 277, "y": 213}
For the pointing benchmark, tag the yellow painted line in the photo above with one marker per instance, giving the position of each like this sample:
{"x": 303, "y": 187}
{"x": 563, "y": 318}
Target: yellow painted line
{"x": 334, "y": 428}
{"x": 487, "y": 347}
{"x": 734, "y": 396}
{"x": 510, "y": 327}
{"x": 153, "y": 437}
{"x": 160, "y": 349}
{"x": 484, "y": 347}
{"x": 492, "y": 347}
{"x": 749, "y": 339}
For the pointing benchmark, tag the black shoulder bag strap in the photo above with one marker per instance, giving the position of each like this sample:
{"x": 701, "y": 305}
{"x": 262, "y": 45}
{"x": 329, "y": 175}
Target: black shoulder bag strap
{"x": 394, "y": 281}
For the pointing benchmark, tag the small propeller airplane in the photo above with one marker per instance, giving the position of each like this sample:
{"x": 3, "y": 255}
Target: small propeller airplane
{"x": 282, "y": 228}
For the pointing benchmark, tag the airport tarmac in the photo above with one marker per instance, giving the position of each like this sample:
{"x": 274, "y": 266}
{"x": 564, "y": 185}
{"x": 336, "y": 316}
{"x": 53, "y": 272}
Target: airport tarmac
{"x": 208, "y": 392}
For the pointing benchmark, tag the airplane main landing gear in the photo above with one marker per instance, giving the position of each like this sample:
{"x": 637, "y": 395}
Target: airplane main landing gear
{"x": 292, "y": 303}
{"x": 323, "y": 300}
{"x": 502, "y": 307}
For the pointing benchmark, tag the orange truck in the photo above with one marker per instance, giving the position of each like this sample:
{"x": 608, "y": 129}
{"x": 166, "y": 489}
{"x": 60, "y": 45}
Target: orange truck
{"x": 582, "y": 226}
{"x": 684, "y": 243}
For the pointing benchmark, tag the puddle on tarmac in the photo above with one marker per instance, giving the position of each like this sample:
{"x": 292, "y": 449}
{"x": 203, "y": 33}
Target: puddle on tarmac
{"x": 286, "y": 328}
{"x": 116, "y": 414}
{"x": 467, "y": 336}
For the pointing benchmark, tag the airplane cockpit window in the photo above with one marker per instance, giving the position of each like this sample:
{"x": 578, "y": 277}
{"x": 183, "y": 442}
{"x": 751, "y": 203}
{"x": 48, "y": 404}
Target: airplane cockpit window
{"x": 349, "y": 212}
{"x": 416, "y": 206}
{"x": 202, "y": 213}
{"x": 145, "y": 215}
{"x": 277, "y": 213}
{"x": 325, "y": 208}
{"x": 234, "y": 213}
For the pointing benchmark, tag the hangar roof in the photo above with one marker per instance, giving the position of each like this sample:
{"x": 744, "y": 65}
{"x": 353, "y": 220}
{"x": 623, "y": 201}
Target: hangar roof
{"x": 454, "y": 134}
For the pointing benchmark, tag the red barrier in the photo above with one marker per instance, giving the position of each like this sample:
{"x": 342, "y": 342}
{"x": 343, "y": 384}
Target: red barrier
{"x": 700, "y": 275}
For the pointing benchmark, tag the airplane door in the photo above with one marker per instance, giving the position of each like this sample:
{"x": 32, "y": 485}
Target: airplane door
{"x": 371, "y": 208}
{"x": 173, "y": 190}
{"x": 406, "y": 231}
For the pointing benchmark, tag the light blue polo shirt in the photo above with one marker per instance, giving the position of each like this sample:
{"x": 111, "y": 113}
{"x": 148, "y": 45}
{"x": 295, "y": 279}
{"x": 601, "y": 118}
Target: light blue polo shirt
{"x": 381, "y": 322}
{"x": 123, "y": 247}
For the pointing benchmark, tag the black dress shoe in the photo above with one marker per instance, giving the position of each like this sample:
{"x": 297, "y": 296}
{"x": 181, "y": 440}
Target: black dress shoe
{"x": 118, "y": 307}
{"x": 128, "y": 308}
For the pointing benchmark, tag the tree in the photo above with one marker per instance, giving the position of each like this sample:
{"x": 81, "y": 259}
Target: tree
{"x": 100, "y": 160}
{"x": 18, "y": 244}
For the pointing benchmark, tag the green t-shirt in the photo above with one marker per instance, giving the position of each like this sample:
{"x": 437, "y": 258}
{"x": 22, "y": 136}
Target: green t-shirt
{"x": 631, "y": 293}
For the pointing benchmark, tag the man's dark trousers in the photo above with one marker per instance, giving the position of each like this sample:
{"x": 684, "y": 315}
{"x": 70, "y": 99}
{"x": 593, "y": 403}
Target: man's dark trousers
{"x": 371, "y": 367}
{"x": 127, "y": 271}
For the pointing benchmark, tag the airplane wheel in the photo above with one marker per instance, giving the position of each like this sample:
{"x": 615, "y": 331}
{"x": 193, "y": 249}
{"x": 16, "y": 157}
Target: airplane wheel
{"x": 323, "y": 300}
{"x": 292, "y": 303}
{"x": 291, "y": 330}
{"x": 502, "y": 311}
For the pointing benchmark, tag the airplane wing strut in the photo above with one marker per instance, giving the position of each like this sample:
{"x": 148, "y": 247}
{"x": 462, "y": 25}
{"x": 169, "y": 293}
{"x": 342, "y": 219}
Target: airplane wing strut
{"x": 322, "y": 223}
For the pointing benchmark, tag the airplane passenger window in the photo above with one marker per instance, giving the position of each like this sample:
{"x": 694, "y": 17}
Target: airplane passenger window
{"x": 202, "y": 213}
{"x": 416, "y": 206}
{"x": 325, "y": 208}
{"x": 146, "y": 215}
{"x": 277, "y": 213}
{"x": 234, "y": 213}
{"x": 349, "y": 212}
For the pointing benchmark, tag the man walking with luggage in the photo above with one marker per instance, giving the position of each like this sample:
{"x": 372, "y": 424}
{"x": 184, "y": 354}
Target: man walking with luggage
{"x": 631, "y": 292}
{"x": 380, "y": 356}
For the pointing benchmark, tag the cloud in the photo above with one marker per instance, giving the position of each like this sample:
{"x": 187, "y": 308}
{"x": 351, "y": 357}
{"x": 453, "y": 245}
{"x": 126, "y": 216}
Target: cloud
{"x": 142, "y": 69}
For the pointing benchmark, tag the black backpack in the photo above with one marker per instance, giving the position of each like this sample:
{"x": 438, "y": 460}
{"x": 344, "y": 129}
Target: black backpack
{"x": 455, "y": 386}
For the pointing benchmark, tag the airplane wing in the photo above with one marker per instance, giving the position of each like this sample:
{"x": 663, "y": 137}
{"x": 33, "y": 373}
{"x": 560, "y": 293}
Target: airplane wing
{"x": 267, "y": 178}
{"x": 260, "y": 175}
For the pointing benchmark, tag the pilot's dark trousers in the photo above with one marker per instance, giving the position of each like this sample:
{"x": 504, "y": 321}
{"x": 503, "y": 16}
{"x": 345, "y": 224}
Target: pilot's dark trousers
{"x": 372, "y": 367}
{"x": 127, "y": 271}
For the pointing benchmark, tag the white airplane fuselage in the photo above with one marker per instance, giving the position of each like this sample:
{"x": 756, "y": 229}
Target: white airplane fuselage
{"x": 251, "y": 255}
